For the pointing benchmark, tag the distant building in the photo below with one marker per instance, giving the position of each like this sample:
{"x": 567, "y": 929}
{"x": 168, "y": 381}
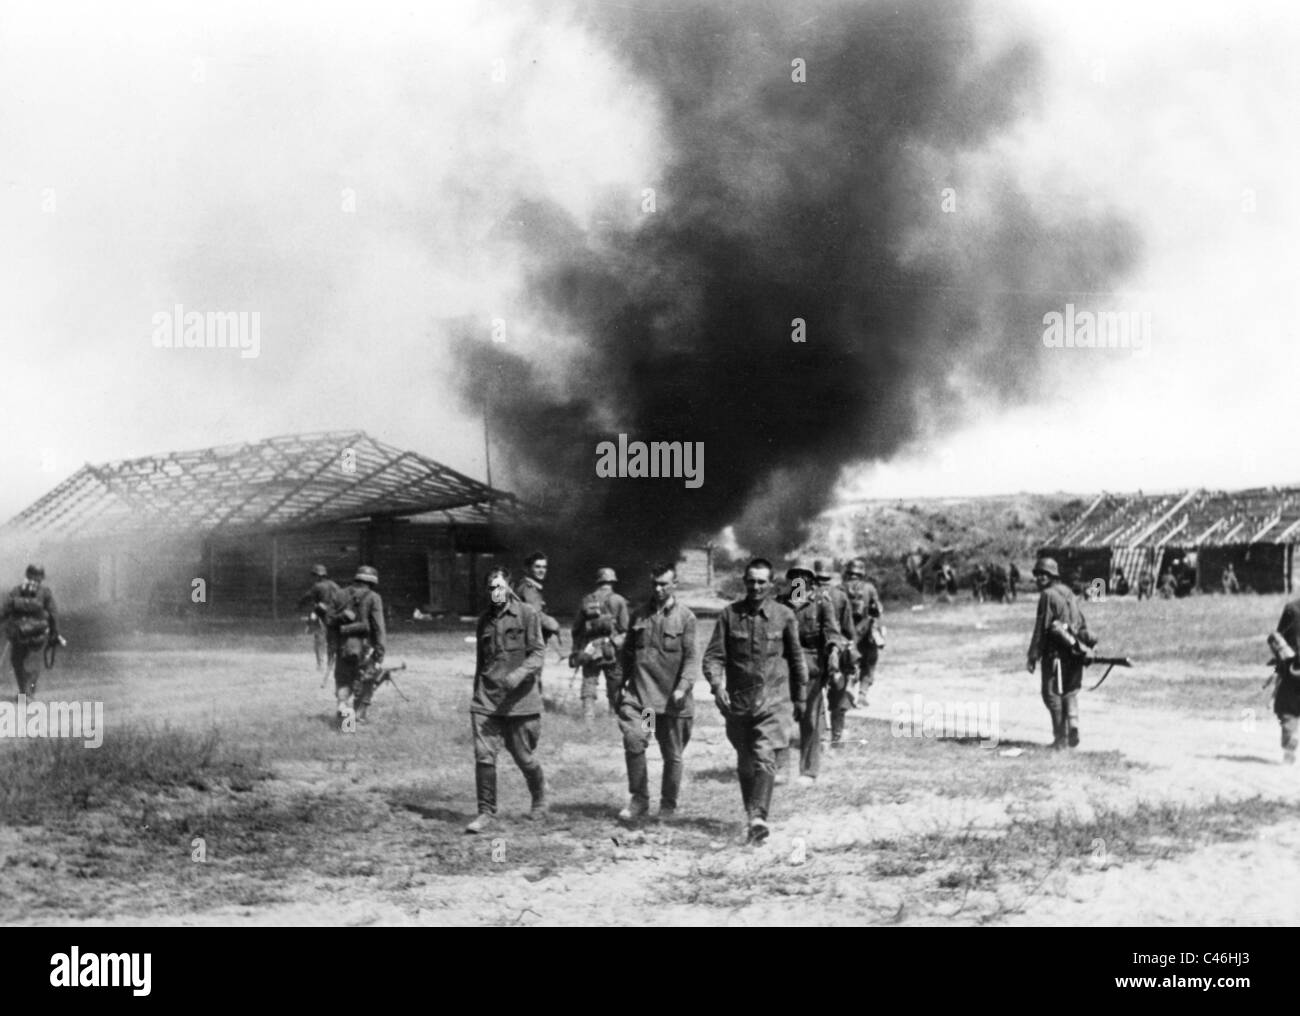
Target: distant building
{"x": 233, "y": 531}
{"x": 1196, "y": 532}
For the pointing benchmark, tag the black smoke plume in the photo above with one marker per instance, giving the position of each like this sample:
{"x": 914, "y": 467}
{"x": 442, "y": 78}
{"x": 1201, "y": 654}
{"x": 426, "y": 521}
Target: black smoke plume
{"x": 821, "y": 200}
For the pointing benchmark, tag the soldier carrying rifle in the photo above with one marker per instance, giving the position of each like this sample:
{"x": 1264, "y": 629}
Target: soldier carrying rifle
{"x": 1062, "y": 666}
{"x": 32, "y": 627}
{"x": 321, "y": 598}
{"x": 599, "y": 631}
{"x": 358, "y": 619}
{"x": 1285, "y": 642}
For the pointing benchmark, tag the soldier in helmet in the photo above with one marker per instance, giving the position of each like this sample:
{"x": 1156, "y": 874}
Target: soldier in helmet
{"x": 359, "y": 622}
{"x": 818, "y": 617}
{"x": 31, "y": 623}
{"x": 599, "y": 630}
{"x": 321, "y": 598}
{"x": 868, "y": 611}
{"x": 1062, "y": 669}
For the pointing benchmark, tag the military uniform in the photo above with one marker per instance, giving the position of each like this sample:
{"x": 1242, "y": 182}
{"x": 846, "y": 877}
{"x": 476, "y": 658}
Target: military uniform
{"x": 818, "y": 618}
{"x": 867, "y": 610}
{"x": 1286, "y": 695}
{"x": 359, "y": 627}
{"x": 658, "y": 658}
{"x": 602, "y": 637}
{"x": 31, "y": 623}
{"x": 1061, "y": 670}
{"x": 507, "y": 705}
{"x": 745, "y": 657}
{"x": 529, "y": 590}
{"x": 322, "y": 598}
{"x": 1013, "y": 580}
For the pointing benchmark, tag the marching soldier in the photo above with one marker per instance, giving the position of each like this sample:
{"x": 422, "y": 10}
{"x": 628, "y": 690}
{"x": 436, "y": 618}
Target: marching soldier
{"x": 1062, "y": 669}
{"x": 844, "y": 655}
{"x": 598, "y": 634}
{"x": 321, "y": 598}
{"x": 752, "y": 689}
{"x": 1286, "y": 690}
{"x": 361, "y": 637}
{"x": 817, "y": 618}
{"x": 867, "y": 613}
{"x": 507, "y": 704}
{"x": 529, "y": 589}
{"x": 659, "y": 677}
{"x": 32, "y": 624}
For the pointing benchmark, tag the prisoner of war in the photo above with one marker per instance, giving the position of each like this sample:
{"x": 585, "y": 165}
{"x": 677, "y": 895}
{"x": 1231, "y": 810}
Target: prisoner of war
{"x": 506, "y": 709}
{"x": 656, "y": 698}
{"x": 757, "y": 697}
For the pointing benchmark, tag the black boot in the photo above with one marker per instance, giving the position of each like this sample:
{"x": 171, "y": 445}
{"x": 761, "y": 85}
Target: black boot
{"x": 536, "y": 781}
{"x": 485, "y": 783}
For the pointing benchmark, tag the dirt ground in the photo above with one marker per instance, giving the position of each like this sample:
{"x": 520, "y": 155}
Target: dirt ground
{"x": 222, "y": 796}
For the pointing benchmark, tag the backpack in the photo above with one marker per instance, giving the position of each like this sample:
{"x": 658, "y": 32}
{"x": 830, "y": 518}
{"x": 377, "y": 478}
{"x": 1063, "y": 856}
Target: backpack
{"x": 349, "y": 616}
{"x": 31, "y": 621}
{"x": 597, "y": 619}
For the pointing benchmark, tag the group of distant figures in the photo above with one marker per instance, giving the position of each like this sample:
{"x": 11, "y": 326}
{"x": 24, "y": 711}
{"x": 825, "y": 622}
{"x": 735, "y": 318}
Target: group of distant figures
{"x": 996, "y": 583}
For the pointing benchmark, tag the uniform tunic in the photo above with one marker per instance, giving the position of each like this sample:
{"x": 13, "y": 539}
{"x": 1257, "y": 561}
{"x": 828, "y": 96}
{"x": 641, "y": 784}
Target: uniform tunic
{"x": 25, "y": 654}
{"x": 658, "y": 659}
{"x": 1058, "y": 603}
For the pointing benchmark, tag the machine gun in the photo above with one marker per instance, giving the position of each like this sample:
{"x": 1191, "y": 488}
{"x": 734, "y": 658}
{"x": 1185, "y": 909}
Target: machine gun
{"x": 373, "y": 676}
{"x": 1078, "y": 645}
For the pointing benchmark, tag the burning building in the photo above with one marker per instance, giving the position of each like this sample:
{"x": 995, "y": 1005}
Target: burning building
{"x": 233, "y": 531}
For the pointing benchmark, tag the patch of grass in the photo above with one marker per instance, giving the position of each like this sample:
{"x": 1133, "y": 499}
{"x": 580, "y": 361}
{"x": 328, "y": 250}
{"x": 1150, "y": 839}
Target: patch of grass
{"x": 46, "y": 776}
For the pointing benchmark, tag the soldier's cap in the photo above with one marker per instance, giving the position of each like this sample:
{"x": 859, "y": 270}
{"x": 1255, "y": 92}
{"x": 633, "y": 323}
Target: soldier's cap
{"x": 606, "y": 575}
{"x": 1047, "y": 566}
{"x": 822, "y": 570}
{"x": 319, "y": 569}
{"x": 367, "y": 574}
{"x": 35, "y": 571}
{"x": 799, "y": 568}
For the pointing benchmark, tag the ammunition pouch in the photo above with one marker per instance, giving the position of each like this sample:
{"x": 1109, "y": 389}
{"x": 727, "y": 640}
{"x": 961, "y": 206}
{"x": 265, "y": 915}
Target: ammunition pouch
{"x": 354, "y": 628}
{"x": 30, "y": 630}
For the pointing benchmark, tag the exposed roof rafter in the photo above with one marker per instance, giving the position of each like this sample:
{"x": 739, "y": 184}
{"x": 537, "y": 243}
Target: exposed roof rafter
{"x": 280, "y": 483}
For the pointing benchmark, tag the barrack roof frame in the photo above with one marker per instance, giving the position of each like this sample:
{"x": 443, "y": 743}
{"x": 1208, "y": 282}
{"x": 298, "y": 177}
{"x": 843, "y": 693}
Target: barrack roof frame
{"x": 289, "y": 482}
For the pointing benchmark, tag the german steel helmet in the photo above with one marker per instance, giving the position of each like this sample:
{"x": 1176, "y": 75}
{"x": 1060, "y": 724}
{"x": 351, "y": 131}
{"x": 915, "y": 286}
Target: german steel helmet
{"x": 822, "y": 569}
{"x": 319, "y": 569}
{"x": 35, "y": 571}
{"x": 606, "y": 575}
{"x": 367, "y": 574}
{"x": 799, "y": 567}
{"x": 856, "y": 567}
{"x": 1047, "y": 566}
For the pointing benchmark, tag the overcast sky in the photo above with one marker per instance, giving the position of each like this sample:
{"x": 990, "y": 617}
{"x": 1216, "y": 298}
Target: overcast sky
{"x": 341, "y": 168}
